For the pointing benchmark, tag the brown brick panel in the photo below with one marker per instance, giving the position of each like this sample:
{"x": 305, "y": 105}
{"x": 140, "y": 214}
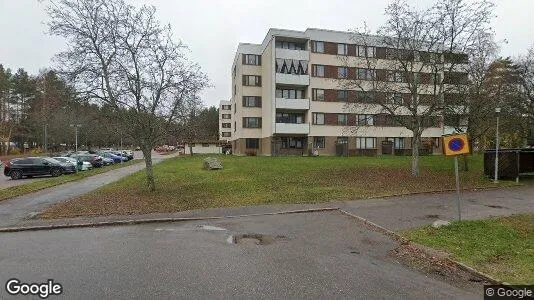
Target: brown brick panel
{"x": 351, "y": 120}
{"x": 381, "y": 75}
{"x": 380, "y": 52}
{"x": 331, "y": 119}
{"x": 352, "y": 73}
{"x": 330, "y": 71}
{"x": 407, "y": 98}
{"x": 330, "y": 95}
{"x": 330, "y": 48}
{"x": 351, "y": 50}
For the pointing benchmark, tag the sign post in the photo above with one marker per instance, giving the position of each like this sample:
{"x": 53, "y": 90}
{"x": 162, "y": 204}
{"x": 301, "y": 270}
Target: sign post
{"x": 454, "y": 145}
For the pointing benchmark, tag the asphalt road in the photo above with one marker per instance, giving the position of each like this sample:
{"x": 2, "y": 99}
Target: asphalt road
{"x": 314, "y": 255}
{"x": 25, "y": 207}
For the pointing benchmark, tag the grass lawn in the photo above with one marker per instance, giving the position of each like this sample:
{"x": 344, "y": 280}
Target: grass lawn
{"x": 182, "y": 184}
{"x": 501, "y": 247}
{"x": 47, "y": 182}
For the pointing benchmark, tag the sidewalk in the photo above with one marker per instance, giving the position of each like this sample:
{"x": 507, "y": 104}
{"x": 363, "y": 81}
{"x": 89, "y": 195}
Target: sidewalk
{"x": 395, "y": 213}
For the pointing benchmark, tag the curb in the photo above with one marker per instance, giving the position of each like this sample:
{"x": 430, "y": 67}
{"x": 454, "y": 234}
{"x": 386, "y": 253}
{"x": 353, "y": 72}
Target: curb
{"x": 403, "y": 240}
{"x": 154, "y": 220}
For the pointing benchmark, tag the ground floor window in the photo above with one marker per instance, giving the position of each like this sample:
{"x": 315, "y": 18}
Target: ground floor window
{"x": 205, "y": 145}
{"x": 252, "y": 143}
{"x": 365, "y": 143}
{"x": 342, "y": 140}
{"x": 292, "y": 143}
{"x": 318, "y": 142}
{"x": 398, "y": 142}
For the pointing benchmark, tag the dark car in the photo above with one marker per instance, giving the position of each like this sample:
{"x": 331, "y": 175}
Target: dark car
{"x": 36, "y": 166}
{"x": 94, "y": 159}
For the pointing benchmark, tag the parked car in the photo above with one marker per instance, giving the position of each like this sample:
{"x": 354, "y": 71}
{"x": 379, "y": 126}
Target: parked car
{"x": 84, "y": 166}
{"x": 106, "y": 149}
{"x": 112, "y": 156}
{"x": 121, "y": 155}
{"x": 35, "y": 166}
{"x": 128, "y": 153}
{"x": 94, "y": 159}
{"x": 107, "y": 161}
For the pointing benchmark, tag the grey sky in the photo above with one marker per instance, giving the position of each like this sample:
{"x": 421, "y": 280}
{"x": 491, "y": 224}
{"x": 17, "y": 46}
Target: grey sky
{"x": 212, "y": 29}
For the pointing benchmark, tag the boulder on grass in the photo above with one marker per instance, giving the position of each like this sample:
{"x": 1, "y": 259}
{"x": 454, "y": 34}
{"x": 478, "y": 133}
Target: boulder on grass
{"x": 211, "y": 163}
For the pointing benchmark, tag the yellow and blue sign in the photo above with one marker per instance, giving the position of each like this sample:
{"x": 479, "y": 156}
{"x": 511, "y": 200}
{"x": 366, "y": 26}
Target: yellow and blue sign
{"x": 455, "y": 144}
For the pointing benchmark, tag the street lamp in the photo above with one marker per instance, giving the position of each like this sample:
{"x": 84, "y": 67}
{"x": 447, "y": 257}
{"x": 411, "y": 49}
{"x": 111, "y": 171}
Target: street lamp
{"x": 496, "y": 179}
{"x": 45, "y": 138}
{"x": 76, "y": 135}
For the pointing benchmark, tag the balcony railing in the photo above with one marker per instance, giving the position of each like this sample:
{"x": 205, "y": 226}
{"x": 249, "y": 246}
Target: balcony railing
{"x": 292, "y": 79}
{"x": 292, "y": 54}
{"x": 300, "y": 104}
{"x": 290, "y": 128}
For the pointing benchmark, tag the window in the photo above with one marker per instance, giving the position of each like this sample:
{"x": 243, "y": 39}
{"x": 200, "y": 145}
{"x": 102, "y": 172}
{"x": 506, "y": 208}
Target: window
{"x": 235, "y": 126}
{"x": 365, "y": 143}
{"x": 395, "y": 76}
{"x": 318, "y": 71}
{"x": 341, "y": 119}
{"x": 205, "y": 145}
{"x": 290, "y": 45}
{"x": 251, "y": 101}
{"x": 226, "y": 134}
{"x": 251, "y": 80}
{"x": 318, "y": 118}
{"x": 233, "y": 71}
{"x": 318, "y": 47}
{"x": 318, "y": 94}
{"x": 342, "y": 140}
{"x": 227, "y": 107}
{"x": 318, "y": 142}
{"x": 343, "y": 95}
{"x": 252, "y": 143}
{"x": 252, "y": 122}
{"x": 365, "y": 97}
{"x": 235, "y": 90}
{"x": 342, "y": 72}
{"x": 290, "y": 142}
{"x": 398, "y": 142}
{"x": 394, "y": 98}
{"x": 192, "y": 144}
{"x": 342, "y": 49}
{"x": 366, "y": 120}
{"x": 365, "y": 74}
{"x": 363, "y": 51}
{"x": 226, "y": 116}
{"x": 290, "y": 93}
{"x": 251, "y": 59}
{"x": 293, "y": 118}
{"x": 226, "y": 125}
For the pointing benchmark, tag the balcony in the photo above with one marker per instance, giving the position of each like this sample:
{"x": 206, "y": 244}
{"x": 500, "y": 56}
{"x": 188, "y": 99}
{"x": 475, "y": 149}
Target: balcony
{"x": 292, "y": 79}
{"x": 289, "y": 128}
{"x": 292, "y": 54}
{"x": 300, "y": 104}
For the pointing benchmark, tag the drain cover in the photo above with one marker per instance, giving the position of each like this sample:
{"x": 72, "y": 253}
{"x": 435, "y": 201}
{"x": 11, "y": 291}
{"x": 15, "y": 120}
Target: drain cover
{"x": 250, "y": 238}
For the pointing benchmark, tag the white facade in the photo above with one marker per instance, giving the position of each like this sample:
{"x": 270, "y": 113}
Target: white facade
{"x": 204, "y": 148}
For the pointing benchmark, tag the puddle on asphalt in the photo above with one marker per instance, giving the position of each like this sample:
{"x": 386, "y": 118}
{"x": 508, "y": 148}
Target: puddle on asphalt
{"x": 250, "y": 239}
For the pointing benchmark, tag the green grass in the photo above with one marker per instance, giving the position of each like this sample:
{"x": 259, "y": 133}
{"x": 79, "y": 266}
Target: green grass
{"x": 182, "y": 184}
{"x": 501, "y": 247}
{"x": 44, "y": 183}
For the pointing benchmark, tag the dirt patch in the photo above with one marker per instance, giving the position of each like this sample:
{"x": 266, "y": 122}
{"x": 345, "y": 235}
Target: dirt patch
{"x": 436, "y": 264}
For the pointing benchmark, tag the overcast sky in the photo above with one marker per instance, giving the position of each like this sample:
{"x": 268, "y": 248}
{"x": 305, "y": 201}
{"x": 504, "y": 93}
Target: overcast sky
{"x": 213, "y": 28}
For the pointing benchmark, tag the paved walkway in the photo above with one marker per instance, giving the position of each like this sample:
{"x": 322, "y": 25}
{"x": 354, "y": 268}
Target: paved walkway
{"x": 395, "y": 213}
{"x": 19, "y": 209}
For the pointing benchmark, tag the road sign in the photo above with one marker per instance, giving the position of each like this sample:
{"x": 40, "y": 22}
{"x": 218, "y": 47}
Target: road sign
{"x": 455, "y": 144}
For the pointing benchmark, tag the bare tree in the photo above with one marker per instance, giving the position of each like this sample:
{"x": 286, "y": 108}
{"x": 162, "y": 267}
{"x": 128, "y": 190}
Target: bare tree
{"x": 415, "y": 59}
{"x": 121, "y": 55}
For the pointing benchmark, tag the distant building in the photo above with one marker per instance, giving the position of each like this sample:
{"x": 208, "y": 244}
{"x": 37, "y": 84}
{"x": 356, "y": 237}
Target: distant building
{"x": 204, "y": 147}
{"x": 287, "y": 98}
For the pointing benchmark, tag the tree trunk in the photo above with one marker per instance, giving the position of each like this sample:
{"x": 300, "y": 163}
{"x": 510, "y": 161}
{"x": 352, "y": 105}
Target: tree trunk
{"x": 190, "y": 149}
{"x": 466, "y": 163}
{"x": 147, "y": 153}
{"x": 416, "y": 141}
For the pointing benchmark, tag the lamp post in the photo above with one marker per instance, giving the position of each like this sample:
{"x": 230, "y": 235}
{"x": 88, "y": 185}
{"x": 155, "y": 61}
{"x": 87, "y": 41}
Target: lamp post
{"x": 496, "y": 178}
{"x": 76, "y": 135}
{"x": 45, "y": 142}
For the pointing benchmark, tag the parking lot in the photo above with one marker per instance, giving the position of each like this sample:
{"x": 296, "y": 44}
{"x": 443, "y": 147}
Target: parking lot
{"x": 6, "y": 182}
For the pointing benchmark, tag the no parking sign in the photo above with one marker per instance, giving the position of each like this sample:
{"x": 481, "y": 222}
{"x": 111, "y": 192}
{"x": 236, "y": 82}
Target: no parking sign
{"x": 455, "y": 144}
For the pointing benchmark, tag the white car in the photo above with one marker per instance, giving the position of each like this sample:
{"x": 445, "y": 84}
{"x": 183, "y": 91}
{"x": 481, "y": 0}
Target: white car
{"x": 85, "y": 165}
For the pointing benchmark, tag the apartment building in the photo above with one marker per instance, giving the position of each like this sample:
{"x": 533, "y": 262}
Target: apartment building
{"x": 289, "y": 97}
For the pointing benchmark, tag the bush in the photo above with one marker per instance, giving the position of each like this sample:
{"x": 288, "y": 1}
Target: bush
{"x": 250, "y": 153}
